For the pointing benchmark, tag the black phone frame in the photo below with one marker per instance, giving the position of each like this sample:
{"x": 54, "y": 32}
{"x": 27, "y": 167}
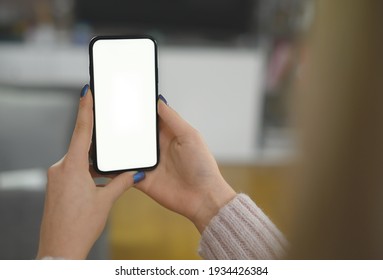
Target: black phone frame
{"x": 93, "y": 153}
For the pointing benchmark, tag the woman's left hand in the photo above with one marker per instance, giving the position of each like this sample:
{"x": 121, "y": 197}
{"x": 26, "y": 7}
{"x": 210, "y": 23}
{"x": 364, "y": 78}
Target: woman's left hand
{"x": 76, "y": 210}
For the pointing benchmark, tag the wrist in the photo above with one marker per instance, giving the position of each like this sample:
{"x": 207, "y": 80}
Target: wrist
{"x": 61, "y": 251}
{"x": 46, "y": 255}
{"x": 212, "y": 202}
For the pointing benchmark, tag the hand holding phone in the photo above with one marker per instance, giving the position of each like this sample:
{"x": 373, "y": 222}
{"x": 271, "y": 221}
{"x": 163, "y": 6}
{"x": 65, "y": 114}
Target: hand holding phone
{"x": 123, "y": 72}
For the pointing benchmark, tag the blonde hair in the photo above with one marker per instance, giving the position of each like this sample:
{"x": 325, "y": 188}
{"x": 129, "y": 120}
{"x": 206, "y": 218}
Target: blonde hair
{"x": 340, "y": 207}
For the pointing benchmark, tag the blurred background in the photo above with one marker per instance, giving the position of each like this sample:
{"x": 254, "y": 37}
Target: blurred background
{"x": 225, "y": 65}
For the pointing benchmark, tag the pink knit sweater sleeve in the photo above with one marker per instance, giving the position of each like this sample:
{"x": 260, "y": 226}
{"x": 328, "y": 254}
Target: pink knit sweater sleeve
{"x": 242, "y": 231}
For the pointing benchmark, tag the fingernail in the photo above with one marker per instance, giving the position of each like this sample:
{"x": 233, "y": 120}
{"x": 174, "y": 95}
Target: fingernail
{"x": 84, "y": 90}
{"x": 163, "y": 99}
{"x": 138, "y": 177}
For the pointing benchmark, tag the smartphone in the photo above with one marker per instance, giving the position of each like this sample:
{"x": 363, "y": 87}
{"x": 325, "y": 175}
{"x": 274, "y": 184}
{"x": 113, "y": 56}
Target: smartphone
{"x": 124, "y": 81}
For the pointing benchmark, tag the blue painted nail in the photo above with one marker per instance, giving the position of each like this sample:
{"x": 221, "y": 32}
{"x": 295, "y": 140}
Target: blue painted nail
{"x": 163, "y": 99}
{"x": 138, "y": 177}
{"x": 84, "y": 90}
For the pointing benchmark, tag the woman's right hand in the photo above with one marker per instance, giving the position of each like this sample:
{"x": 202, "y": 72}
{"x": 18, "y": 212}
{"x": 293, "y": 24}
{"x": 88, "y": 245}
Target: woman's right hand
{"x": 187, "y": 179}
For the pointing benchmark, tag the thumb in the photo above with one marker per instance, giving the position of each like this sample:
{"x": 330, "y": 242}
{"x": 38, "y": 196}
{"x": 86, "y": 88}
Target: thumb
{"x": 172, "y": 119}
{"x": 82, "y": 134}
{"x": 122, "y": 183}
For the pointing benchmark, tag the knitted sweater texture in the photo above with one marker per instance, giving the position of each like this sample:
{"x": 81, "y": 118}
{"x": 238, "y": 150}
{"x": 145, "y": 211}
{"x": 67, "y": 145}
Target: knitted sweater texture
{"x": 242, "y": 231}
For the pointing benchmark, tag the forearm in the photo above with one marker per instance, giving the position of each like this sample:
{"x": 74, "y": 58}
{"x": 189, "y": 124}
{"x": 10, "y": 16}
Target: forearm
{"x": 242, "y": 231}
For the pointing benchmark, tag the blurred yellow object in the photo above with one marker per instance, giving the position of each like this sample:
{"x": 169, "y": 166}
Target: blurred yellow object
{"x": 142, "y": 229}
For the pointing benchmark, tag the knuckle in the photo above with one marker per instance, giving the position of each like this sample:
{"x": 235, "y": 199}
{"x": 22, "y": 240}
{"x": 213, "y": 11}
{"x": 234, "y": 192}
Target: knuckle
{"x": 52, "y": 170}
{"x": 195, "y": 134}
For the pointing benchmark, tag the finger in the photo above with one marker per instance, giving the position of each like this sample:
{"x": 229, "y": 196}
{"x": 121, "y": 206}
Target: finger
{"x": 172, "y": 119}
{"x": 119, "y": 185}
{"x": 82, "y": 134}
{"x": 165, "y": 135}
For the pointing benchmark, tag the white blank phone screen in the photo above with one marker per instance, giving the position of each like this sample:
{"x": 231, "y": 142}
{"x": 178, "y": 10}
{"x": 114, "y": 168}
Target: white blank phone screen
{"x": 124, "y": 77}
